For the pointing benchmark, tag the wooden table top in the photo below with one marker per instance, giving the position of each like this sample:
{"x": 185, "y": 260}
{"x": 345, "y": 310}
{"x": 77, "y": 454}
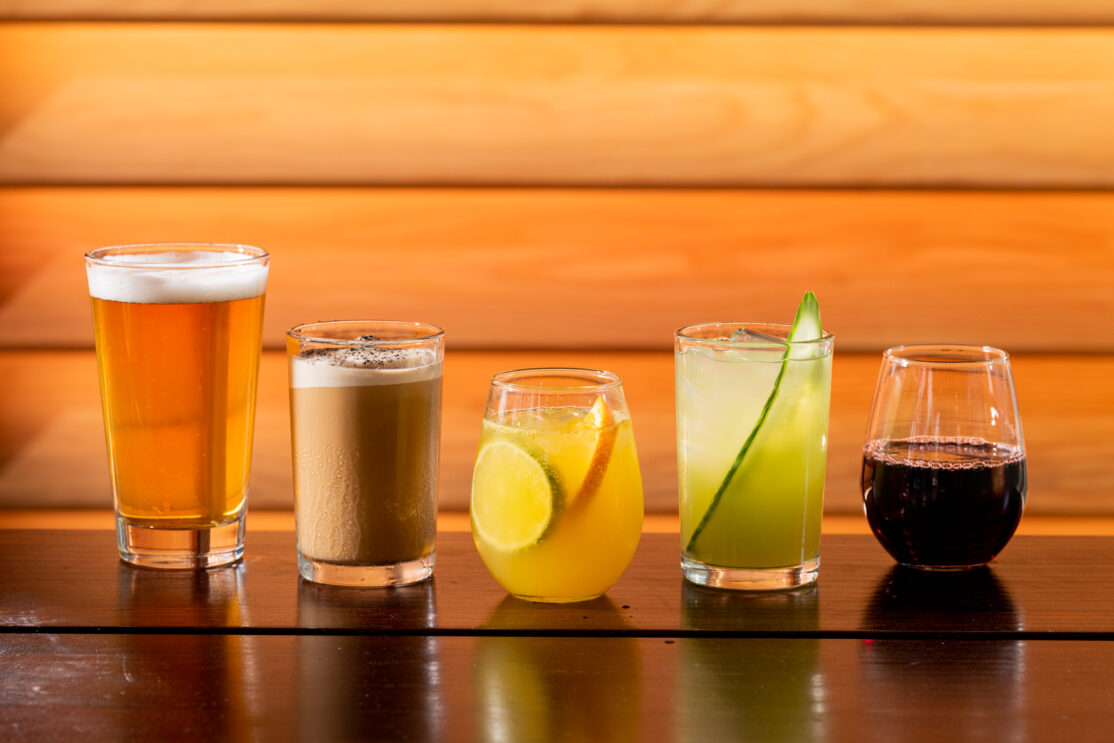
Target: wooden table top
{"x": 1038, "y": 586}
{"x": 94, "y": 648}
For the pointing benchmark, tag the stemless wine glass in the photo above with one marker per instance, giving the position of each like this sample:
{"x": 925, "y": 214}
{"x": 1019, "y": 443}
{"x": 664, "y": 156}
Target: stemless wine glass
{"x": 556, "y": 492}
{"x": 944, "y": 462}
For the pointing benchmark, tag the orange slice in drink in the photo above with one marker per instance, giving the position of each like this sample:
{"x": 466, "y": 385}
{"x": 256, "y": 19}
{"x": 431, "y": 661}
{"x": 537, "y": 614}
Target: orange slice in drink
{"x": 602, "y": 420}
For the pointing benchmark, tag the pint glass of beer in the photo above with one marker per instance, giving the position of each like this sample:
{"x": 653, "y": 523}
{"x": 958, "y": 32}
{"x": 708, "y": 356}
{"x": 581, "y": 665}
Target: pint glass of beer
{"x": 178, "y": 331}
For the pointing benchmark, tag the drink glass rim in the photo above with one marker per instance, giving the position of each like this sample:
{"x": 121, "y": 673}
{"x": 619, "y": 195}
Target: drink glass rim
{"x": 686, "y": 334}
{"x": 593, "y": 379}
{"x": 425, "y": 332}
{"x": 945, "y": 355}
{"x": 105, "y": 256}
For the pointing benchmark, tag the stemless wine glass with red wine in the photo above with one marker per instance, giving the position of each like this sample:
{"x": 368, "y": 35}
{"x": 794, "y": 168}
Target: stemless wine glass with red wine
{"x": 944, "y": 461}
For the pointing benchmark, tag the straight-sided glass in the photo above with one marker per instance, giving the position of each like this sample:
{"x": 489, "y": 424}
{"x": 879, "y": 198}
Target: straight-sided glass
{"x": 944, "y": 475}
{"x": 178, "y": 330}
{"x": 752, "y": 440}
{"x": 365, "y": 424}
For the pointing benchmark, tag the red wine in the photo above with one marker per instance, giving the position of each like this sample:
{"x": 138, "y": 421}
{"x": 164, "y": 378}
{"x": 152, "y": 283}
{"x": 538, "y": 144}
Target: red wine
{"x": 943, "y": 502}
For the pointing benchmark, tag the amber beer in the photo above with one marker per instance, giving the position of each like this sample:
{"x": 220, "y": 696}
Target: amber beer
{"x": 178, "y": 332}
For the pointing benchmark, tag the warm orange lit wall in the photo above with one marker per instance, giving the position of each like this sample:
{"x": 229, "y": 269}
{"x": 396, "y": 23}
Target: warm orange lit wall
{"x": 568, "y": 182}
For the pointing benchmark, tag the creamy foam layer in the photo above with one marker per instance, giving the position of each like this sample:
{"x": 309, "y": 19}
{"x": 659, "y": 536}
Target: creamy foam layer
{"x": 363, "y": 366}
{"x": 173, "y": 278}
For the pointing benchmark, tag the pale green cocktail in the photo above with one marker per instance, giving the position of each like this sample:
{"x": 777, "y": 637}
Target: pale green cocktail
{"x": 752, "y": 424}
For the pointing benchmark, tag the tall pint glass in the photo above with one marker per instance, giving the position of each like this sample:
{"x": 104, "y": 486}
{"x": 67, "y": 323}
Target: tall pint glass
{"x": 178, "y": 330}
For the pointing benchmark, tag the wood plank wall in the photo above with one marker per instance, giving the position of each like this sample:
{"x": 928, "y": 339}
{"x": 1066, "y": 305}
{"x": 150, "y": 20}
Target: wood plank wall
{"x": 568, "y": 182}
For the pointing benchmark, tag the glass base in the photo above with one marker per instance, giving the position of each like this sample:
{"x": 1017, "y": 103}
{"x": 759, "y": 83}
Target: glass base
{"x": 751, "y": 579}
{"x": 371, "y": 576}
{"x": 180, "y": 548}
{"x": 556, "y": 599}
{"x": 942, "y": 568}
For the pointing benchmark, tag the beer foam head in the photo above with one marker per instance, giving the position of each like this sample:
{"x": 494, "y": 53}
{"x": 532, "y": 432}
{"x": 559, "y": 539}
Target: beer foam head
{"x": 359, "y": 366}
{"x": 176, "y": 277}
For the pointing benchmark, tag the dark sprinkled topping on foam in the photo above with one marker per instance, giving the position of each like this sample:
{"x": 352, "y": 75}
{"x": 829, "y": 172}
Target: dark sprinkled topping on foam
{"x": 368, "y": 358}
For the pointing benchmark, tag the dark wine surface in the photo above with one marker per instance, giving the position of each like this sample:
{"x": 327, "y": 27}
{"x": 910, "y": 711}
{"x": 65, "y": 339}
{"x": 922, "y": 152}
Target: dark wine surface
{"x": 943, "y": 502}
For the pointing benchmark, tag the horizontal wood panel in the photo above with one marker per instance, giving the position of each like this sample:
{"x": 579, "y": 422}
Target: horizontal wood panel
{"x": 611, "y": 269}
{"x": 52, "y": 449}
{"x": 560, "y": 105}
{"x": 580, "y": 11}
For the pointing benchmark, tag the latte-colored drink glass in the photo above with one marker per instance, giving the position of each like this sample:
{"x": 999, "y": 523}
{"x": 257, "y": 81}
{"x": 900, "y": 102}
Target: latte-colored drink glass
{"x": 365, "y": 423}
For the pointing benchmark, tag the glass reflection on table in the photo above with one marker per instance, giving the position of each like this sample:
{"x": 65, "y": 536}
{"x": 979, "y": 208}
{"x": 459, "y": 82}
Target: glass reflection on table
{"x": 556, "y": 688}
{"x": 907, "y": 679}
{"x": 213, "y": 678}
{"x": 367, "y": 687}
{"x": 750, "y": 688}
{"x": 976, "y": 599}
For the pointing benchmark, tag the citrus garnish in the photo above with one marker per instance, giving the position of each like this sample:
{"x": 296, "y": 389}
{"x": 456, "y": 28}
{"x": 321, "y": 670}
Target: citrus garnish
{"x": 601, "y": 418}
{"x": 514, "y": 497}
